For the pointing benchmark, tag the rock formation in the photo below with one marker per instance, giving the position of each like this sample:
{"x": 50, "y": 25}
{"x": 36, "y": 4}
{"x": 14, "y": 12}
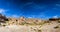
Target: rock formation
{"x": 29, "y": 24}
{"x": 3, "y": 18}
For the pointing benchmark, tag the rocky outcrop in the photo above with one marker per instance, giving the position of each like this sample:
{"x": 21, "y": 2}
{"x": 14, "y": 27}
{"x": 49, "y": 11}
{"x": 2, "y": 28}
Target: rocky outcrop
{"x": 3, "y": 18}
{"x": 22, "y": 21}
{"x": 29, "y": 24}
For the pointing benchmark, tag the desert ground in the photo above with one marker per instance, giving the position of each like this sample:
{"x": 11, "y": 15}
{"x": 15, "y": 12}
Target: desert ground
{"x": 29, "y": 24}
{"x": 48, "y": 27}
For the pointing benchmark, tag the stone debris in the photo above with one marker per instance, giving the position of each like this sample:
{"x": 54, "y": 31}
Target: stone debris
{"x": 23, "y": 24}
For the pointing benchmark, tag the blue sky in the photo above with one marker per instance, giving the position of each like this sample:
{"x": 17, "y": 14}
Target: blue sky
{"x": 30, "y": 8}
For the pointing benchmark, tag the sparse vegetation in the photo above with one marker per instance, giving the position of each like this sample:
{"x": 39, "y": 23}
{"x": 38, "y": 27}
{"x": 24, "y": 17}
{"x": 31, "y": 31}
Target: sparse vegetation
{"x": 58, "y": 21}
{"x": 39, "y": 31}
{"x": 33, "y": 24}
{"x": 56, "y": 27}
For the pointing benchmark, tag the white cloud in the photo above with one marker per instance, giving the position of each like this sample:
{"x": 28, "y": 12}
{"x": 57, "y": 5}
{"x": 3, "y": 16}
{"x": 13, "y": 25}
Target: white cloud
{"x": 16, "y": 16}
{"x": 58, "y": 5}
{"x": 55, "y": 16}
{"x": 32, "y": 16}
{"x": 2, "y": 10}
{"x": 29, "y": 17}
{"x": 43, "y": 15}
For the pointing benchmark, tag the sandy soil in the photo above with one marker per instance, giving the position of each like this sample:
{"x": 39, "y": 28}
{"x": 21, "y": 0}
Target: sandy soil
{"x": 49, "y": 27}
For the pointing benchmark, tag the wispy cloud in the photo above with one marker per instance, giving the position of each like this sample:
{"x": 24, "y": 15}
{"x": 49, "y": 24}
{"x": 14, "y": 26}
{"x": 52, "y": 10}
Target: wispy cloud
{"x": 41, "y": 16}
{"x": 3, "y": 11}
{"x": 58, "y": 5}
{"x": 16, "y": 16}
{"x": 29, "y": 17}
{"x": 56, "y": 16}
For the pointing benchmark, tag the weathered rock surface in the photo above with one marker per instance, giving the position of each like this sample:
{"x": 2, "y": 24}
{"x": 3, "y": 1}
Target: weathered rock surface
{"x": 29, "y": 25}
